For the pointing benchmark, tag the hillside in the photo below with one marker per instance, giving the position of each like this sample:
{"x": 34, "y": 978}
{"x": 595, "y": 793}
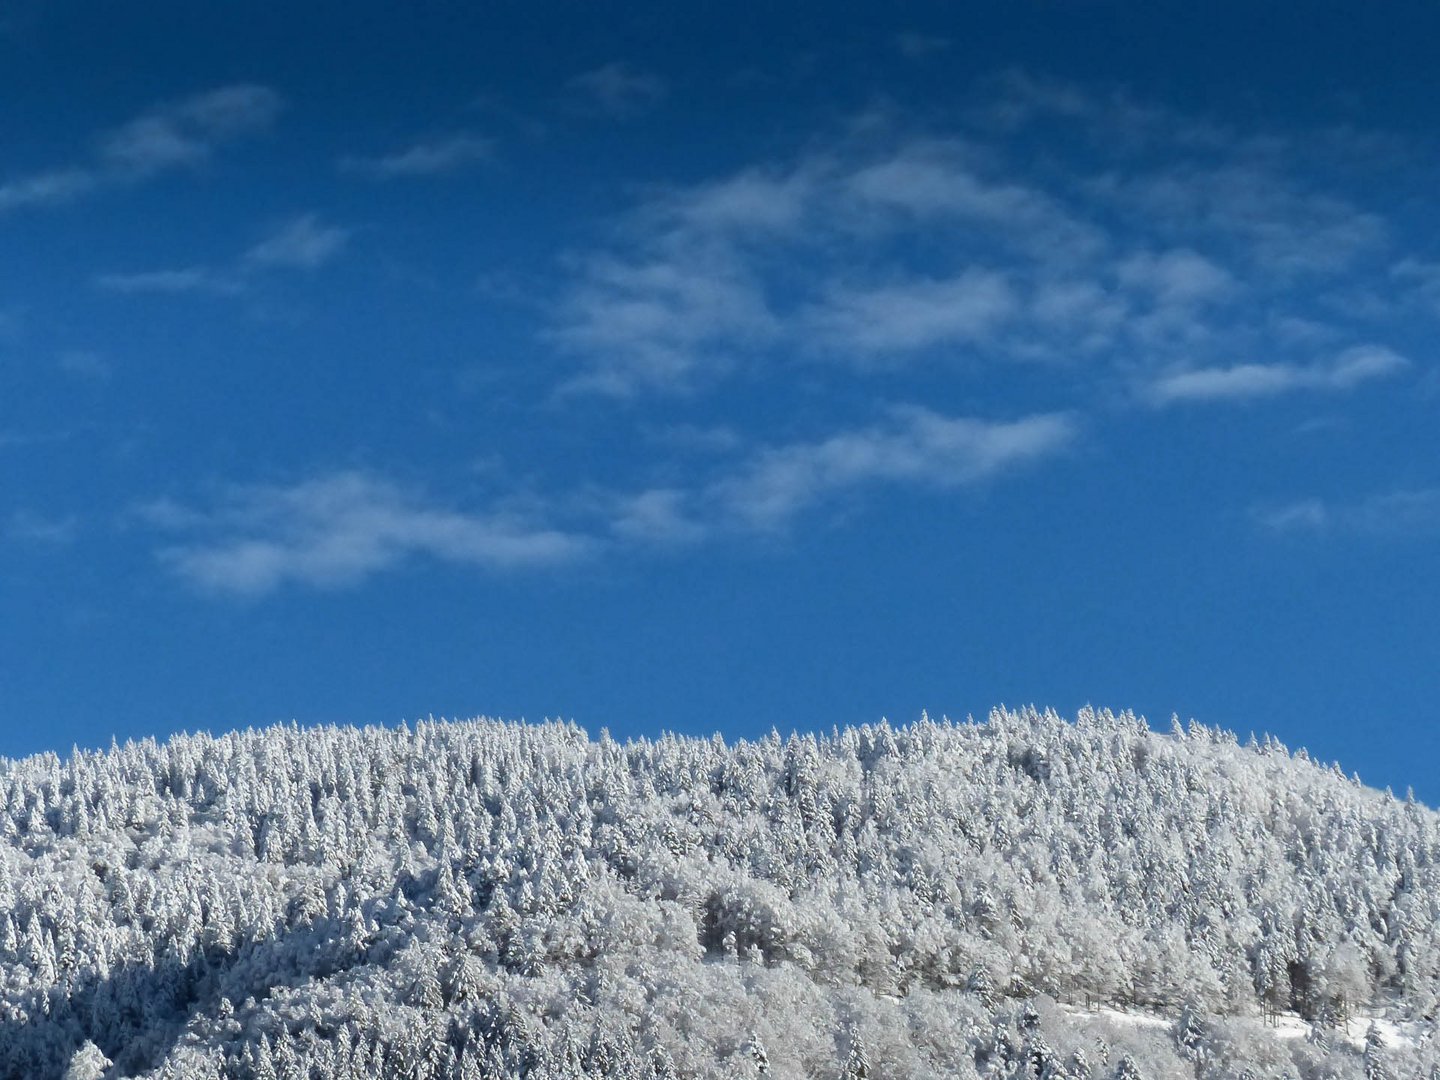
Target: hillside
{"x": 1028, "y": 897}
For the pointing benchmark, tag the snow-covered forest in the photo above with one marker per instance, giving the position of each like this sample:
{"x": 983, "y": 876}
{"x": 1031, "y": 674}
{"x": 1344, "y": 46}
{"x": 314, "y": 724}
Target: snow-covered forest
{"x": 1028, "y": 897}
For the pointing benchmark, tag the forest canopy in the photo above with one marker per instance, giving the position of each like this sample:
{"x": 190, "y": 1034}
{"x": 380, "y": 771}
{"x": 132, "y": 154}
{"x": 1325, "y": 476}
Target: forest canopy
{"x": 1025, "y": 897}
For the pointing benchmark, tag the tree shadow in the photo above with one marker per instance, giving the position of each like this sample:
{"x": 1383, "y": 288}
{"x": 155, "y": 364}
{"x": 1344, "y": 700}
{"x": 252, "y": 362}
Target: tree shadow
{"x": 138, "y": 1012}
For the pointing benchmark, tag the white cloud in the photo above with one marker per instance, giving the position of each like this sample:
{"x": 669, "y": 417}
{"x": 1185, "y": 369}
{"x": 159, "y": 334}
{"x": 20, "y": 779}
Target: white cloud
{"x": 917, "y": 314}
{"x": 1164, "y": 253}
{"x": 30, "y": 527}
{"x": 618, "y": 89}
{"x": 702, "y": 278}
{"x": 1392, "y": 514}
{"x": 940, "y": 178}
{"x": 187, "y": 131}
{"x": 753, "y": 205}
{"x": 824, "y": 255}
{"x": 695, "y": 438}
{"x": 302, "y": 243}
{"x": 1230, "y": 383}
{"x": 338, "y": 529}
{"x": 769, "y": 488}
{"x": 1301, "y": 514}
{"x": 656, "y": 516}
{"x": 917, "y": 46}
{"x": 85, "y": 365}
{"x": 430, "y": 157}
{"x": 190, "y": 279}
{"x": 1177, "y": 276}
{"x": 60, "y": 185}
{"x": 181, "y": 134}
{"x": 917, "y": 447}
{"x": 665, "y": 324}
{"x": 1421, "y": 280}
{"x": 150, "y": 144}
{"x": 1190, "y": 179}
{"x": 228, "y": 112}
{"x": 1272, "y": 220}
{"x": 1248, "y": 381}
{"x": 1019, "y": 97}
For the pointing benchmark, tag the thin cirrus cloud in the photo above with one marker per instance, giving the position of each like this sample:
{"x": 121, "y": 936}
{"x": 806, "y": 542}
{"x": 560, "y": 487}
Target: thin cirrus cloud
{"x": 1419, "y": 281}
{"x": 182, "y": 134}
{"x": 1393, "y": 514}
{"x": 31, "y": 527}
{"x": 659, "y": 323}
{"x": 188, "y": 279}
{"x": 771, "y": 487}
{"x": 84, "y": 365}
{"x": 1170, "y": 243}
{"x": 701, "y": 278}
{"x": 305, "y": 242}
{"x": 1244, "y": 382}
{"x": 914, "y": 45}
{"x": 917, "y": 447}
{"x": 428, "y": 157}
{"x": 338, "y": 529}
{"x": 891, "y": 319}
{"x": 929, "y": 179}
{"x": 617, "y": 89}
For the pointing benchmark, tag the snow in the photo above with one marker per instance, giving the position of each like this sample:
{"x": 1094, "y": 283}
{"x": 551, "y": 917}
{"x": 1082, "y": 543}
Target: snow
{"x": 1395, "y": 1033}
{"x": 1121, "y": 1018}
{"x": 1287, "y": 1025}
{"x": 481, "y": 895}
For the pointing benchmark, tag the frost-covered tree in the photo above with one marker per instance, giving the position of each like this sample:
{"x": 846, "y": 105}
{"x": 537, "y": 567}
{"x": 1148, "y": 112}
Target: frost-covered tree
{"x": 489, "y": 899}
{"x": 87, "y": 1063}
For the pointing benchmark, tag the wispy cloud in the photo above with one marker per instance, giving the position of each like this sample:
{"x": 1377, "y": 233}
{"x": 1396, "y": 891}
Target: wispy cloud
{"x": 1271, "y": 220}
{"x": 932, "y": 178}
{"x": 917, "y": 446}
{"x": 1187, "y": 178}
{"x": 11, "y": 439}
{"x": 1402, "y": 513}
{"x": 695, "y": 438}
{"x": 917, "y": 46}
{"x": 31, "y": 527}
{"x": 920, "y": 313}
{"x": 705, "y": 277}
{"x": 303, "y": 243}
{"x": 338, "y": 529}
{"x": 1243, "y": 382}
{"x": 85, "y": 365}
{"x": 769, "y": 488}
{"x": 618, "y": 89}
{"x": 190, "y": 279}
{"x": 1297, "y": 515}
{"x": 804, "y": 257}
{"x": 182, "y": 134}
{"x": 1420, "y": 279}
{"x": 1168, "y": 248}
{"x": 1177, "y": 276}
{"x": 660, "y": 323}
{"x": 47, "y": 188}
{"x": 429, "y": 157}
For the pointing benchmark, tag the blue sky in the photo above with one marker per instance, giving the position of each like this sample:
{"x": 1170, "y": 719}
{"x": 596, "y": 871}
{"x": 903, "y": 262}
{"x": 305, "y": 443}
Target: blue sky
{"x": 677, "y": 367}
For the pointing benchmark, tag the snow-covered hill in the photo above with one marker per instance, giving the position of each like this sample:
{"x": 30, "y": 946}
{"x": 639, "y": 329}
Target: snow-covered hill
{"x": 1028, "y": 897}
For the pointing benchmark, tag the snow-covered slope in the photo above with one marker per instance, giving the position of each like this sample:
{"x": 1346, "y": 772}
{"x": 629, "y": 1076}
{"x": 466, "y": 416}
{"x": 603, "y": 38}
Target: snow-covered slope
{"x": 1024, "y": 897}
